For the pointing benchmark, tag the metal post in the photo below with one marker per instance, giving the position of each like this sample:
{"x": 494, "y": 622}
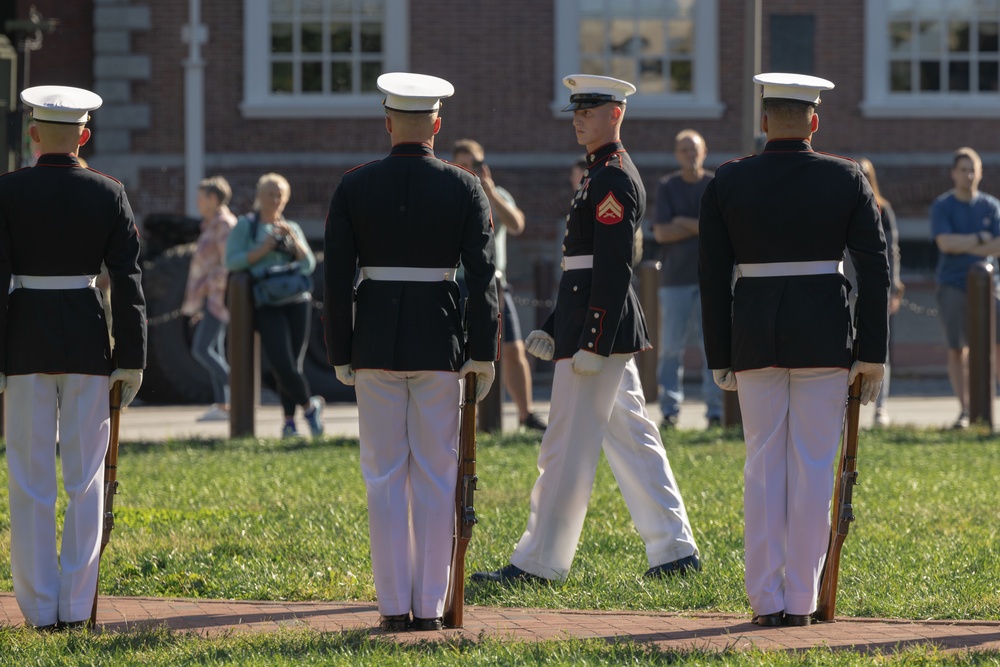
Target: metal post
{"x": 649, "y": 284}
{"x": 490, "y": 410}
{"x": 244, "y": 356}
{"x": 981, "y": 324}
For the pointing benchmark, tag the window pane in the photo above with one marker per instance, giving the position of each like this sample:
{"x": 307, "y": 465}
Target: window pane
{"x": 988, "y": 32}
{"x": 591, "y": 7}
{"x": 651, "y": 79}
{"x": 988, "y": 77}
{"x": 652, "y": 39}
{"x": 958, "y": 37}
{"x": 987, "y": 6}
{"x": 281, "y": 8}
{"x": 958, "y": 76}
{"x": 312, "y": 77}
{"x": 341, "y": 6}
{"x": 312, "y": 38}
{"x": 281, "y": 38}
{"x": 371, "y": 37}
{"x": 372, "y": 8}
{"x": 899, "y": 76}
{"x": 281, "y": 78}
{"x": 623, "y": 37}
{"x": 680, "y": 76}
{"x": 592, "y": 66}
{"x": 930, "y": 74}
{"x": 369, "y": 75}
{"x": 592, "y": 37}
{"x": 929, "y": 37}
{"x": 340, "y": 77}
{"x": 681, "y": 37}
{"x": 340, "y": 38}
{"x": 622, "y": 68}
{"x": 900, "y": 36}
{"x": 312, "y": 8}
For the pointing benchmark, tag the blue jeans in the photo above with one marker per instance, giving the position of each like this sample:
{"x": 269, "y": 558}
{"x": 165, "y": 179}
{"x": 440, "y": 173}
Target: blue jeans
{"x": 680, "y": 316}
{"x": 208, "y": 347}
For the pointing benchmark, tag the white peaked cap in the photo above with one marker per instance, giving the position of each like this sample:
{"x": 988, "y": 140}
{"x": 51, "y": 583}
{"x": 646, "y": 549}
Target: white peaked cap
{"x": 801, "y": 87}
{"x": 413, "y": 92}
{"x": 60, "y": 104}
{"x": 590, "y": 90}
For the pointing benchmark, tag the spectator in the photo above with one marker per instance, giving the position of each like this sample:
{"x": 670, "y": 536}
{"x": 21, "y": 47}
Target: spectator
{"x": 675, "y": 229}
{"x": 205, "y": 296}
{"x": 261, "y": 241}
{"x": 516, "y": 372}
{"x": 965, "y": 224}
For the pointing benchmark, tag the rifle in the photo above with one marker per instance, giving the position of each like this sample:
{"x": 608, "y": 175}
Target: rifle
{"x": 110, "y": 485}
{"x": 465, "y": 510}
{"x": 843, "y": 509}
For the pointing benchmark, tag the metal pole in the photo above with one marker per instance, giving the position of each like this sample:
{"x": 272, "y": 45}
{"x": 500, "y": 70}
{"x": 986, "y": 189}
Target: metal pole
{"x": 244, "y": 356}
{"x": 981, "y": 324}
{"x": 195, "y": 33}
{"x": 649, "y": 284}
{"x": 490, "y": 410}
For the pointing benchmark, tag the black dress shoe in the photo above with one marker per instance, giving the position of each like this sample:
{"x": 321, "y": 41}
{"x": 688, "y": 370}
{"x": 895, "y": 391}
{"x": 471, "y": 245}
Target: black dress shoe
{"x": 394, "y": 623}
{"x": 426, "y": 624}
{"x": 534, "y": 423}
{"x": 682, "y": 566}
{"x": 769, "y": 620}
{"x": 511, "y": 574}
{"x": 798, "y": 620}
{"x": 72, "y": 625}
{"x": 52, "y": 627}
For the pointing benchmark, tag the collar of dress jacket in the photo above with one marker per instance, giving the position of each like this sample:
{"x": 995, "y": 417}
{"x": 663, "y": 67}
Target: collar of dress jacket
{"x": 412, "y": 149}
{"x": 787, "y": 146}
{"x": 604, "y": 151}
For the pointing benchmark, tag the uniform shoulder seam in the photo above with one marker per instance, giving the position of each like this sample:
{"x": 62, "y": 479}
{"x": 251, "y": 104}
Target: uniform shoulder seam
{"x": 355, "y": 168}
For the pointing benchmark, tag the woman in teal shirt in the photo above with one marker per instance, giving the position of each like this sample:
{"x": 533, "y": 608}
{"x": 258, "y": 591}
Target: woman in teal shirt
{"x": 265, "y": 239}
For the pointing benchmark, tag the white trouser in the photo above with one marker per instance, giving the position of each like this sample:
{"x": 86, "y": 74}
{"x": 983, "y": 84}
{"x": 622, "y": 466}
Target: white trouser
{"x": 587, "y": 412}
{"x": 408, "y": 424}
{"x": 51, "y": 588}
{"x": 792, "y": 420}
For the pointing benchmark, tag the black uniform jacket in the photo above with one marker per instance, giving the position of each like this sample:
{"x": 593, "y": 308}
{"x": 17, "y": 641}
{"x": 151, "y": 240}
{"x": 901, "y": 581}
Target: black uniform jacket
{"x": 791, "y": 204}
{"x": 597, "y": 310}
{"x": 58, "y": 218}
{"x": 409, "y": 209}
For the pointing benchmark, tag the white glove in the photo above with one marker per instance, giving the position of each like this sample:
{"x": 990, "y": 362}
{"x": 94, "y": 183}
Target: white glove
{"x": 725, "y": 378}
{"x": 345, "y": 374}
{"x": 484, "y": 376}
{"x": 871, "y": 379}
{"x": 131, "y": 379}
{"x": 3, "y": 382}
{"x": 540, "y": 344}
{"x": 587, "y": 363}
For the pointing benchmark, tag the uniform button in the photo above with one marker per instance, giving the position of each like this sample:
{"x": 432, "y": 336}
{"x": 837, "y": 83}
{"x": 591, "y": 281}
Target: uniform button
{"x": 567, "y": 217}
{"x": 590, "y": 345}
{"x": 564, "y": 248}
{"x": 596, "y": 315}
{"x": 593, "y": 331}
{"x": 575, "y": 288}
{"x": 586, "y": 172}
{"x": 567, "y": 233}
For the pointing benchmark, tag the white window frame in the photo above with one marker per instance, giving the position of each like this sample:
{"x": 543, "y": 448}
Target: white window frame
{"x": 880, "y": 102}
{"x": 701, "y": 103}
{"x": 260, "y": 102}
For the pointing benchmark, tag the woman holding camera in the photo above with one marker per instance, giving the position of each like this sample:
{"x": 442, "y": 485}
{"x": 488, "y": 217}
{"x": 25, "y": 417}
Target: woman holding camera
{"x": 266, "y": 244}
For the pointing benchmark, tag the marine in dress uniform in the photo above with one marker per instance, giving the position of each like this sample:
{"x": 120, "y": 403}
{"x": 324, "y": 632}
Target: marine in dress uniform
{"x": 58, "y": 222}
{"x": 777, "y": 224}
{"x": 407, "y": 221}
{"x": 597, "y": 399}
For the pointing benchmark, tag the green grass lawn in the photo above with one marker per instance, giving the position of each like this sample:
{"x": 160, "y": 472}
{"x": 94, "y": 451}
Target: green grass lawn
{"x": 267, "y": 520}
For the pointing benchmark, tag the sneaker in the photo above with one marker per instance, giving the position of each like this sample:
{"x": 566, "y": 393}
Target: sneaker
{"x": 881, "y": 419}
{"x": 962, "y": 422}
{"x": 214, "y": 414}
{"x": 669, "y": 422}
{"x": 682, "y": 566}
{"x": 315, "y": 416}
{"x": 289, "y": 431}
{"x": 534, "y": 423}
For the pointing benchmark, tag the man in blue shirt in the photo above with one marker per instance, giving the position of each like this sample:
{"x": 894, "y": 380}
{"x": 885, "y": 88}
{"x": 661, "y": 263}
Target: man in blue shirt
{"x": 965, "y": 224}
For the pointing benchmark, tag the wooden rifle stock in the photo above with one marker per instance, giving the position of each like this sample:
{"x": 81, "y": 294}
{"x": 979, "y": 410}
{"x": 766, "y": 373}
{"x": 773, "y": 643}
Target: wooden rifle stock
{"x": 110, "y": 485}
{"x": 843, "y": 509}
{"x": 465, "y": 510}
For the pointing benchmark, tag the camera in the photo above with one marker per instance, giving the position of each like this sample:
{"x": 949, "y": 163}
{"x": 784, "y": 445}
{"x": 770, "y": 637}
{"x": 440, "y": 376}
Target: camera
{"x": 284, "y": 243}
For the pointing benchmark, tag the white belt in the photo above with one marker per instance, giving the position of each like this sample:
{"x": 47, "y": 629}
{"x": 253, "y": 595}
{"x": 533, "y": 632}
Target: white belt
{"x": 578, "y": 262}
{"x": 54, "y": 282}
{"x": 413, "y": 274}
{"x": 777, "y": 269}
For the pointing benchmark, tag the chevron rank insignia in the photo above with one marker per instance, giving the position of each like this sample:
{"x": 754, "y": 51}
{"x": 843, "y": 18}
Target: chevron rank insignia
{"x": 610, "y": 211}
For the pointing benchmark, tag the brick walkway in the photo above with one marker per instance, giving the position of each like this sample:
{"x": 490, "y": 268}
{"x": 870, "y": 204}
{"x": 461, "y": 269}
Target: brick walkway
{"x": 711, "y": 632}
